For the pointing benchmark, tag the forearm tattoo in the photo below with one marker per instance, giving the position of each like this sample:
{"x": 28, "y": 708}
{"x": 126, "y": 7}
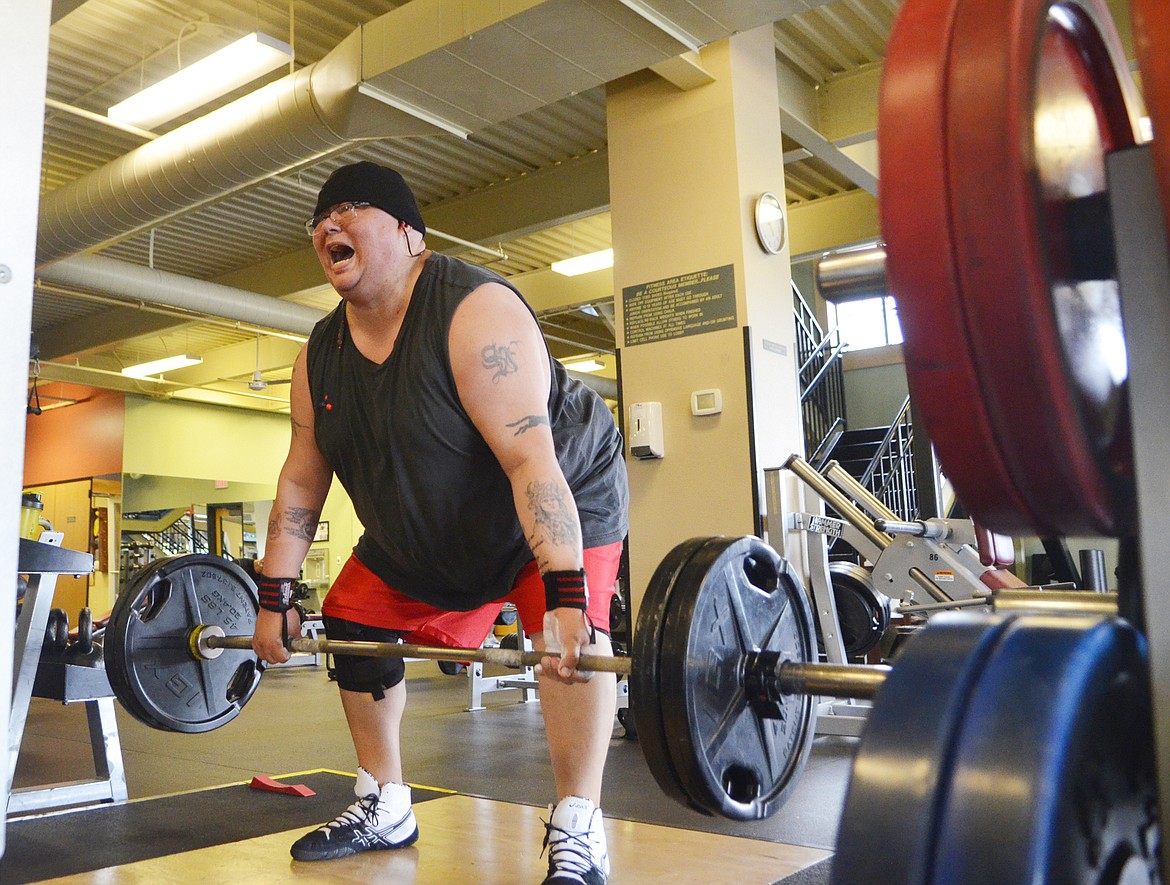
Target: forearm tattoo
{"x": 500, "y": 359}
{"x": 297, "y": 427}
{"x": 554, "y": 515}
{"x": 528, "y": 422}
{"x": 300, "y": 522}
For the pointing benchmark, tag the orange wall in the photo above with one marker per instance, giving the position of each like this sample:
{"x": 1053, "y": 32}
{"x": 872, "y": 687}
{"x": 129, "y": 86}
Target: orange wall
{"x": 76, "y": 441}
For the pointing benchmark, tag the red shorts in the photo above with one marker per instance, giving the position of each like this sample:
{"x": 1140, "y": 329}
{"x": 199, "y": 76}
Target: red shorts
{"x": 361, "y": 596}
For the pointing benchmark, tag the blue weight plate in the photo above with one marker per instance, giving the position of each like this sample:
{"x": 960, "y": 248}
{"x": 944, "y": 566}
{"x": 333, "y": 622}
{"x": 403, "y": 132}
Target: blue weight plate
{"x": 1053, "y": 780}
{"x": 152, "y": 669}
{"x": 734, "y": 597}
{"x": 645, "y": 691}
{"x": 902, "y": 766}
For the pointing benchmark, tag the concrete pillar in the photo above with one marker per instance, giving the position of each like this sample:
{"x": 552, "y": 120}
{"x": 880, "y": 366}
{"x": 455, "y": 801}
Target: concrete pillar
{"x": 700, "y": 304}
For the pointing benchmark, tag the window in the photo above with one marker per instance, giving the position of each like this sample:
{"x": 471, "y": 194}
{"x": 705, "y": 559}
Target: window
{"x": 867, "y": 322}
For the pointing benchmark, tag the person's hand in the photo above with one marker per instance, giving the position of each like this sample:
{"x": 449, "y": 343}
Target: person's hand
{"x": 268, "y": 640}
{"x": 567, "y": 633}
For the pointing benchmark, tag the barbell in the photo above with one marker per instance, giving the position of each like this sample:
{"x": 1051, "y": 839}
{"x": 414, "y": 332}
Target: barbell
{"x": 208, "y": 641}
{"x": 723, "y": 667}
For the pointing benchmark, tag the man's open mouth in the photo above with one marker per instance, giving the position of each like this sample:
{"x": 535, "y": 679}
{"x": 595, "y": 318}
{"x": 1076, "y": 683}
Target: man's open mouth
{"x": 339, "y": 253}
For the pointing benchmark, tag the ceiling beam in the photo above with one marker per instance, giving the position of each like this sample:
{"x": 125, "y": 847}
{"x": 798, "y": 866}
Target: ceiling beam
{"x": 847, "y": 105}
{"x": 62, "y": 8}
{"x": 527, "y": 203}
{"x": 832, "y": 222}
{"x": 824, "y": 150}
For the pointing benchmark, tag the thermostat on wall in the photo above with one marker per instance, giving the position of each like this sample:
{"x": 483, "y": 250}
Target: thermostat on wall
{"x": 706, "y": 402}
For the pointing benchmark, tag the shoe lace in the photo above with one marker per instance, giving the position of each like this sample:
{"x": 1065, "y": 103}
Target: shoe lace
{"x": 570, "y": 851}
{"x": 357, "y": 814}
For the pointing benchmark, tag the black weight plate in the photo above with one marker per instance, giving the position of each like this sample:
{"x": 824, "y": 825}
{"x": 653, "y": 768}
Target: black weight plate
{"x": 119, "y": 679}
{"x": 617, "y": 613}
{"x": 510, "y": 641}
{"x": 147, "y": 650}
{"x": 902, "y": 767}
{"x": 734, "y": 597}
{"x": 863, "y": 612}
{"x": 1053, "y": 780}
{"x": 85, "y": 631}
{"x": 645, "y": 691}
{"x": 120, "y": 667}
{"x": 56, "y": 632}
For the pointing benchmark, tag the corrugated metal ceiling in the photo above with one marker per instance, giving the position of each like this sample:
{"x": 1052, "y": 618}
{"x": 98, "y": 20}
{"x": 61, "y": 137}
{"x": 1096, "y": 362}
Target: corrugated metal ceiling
{"x": 106, "y": 48}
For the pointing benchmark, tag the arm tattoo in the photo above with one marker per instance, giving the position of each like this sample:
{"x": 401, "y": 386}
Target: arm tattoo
{"x": 297, "y": 427}
{"x": 500, "y": 358}
{"x": 528, "y": 423}
{"x": 552, "y": 513}
{"x": 300, "y": 522}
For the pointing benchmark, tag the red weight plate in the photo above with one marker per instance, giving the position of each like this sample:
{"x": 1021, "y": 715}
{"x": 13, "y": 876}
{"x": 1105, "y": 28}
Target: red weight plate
{"x": 940, "y": 370}
{"x": 1151, "y": 37}
{"x": 1038, "y": 93}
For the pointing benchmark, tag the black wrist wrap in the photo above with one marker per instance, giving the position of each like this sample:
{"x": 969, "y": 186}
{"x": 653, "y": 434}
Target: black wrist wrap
{"x": 275, "y": 593}
{"x": 566, "y": 589}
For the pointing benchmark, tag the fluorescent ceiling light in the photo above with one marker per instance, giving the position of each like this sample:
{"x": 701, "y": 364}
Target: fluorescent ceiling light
{"x": 586, "y": 365}
{"x": 580, "y": 264}
{"x": 166, "y": 364}
{"x": 219, "y": 73}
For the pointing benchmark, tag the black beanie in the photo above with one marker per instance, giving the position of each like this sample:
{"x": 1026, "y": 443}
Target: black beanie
{"x": 379, "y": 186}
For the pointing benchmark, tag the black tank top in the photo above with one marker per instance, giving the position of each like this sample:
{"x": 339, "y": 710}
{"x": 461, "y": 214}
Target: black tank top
{"x": 439, "y": 517}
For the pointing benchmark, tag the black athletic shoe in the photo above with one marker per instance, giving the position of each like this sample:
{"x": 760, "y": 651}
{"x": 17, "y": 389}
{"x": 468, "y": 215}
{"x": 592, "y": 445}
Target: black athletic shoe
{"x": 575, "y": 840}
{"x": 379, "y": 819}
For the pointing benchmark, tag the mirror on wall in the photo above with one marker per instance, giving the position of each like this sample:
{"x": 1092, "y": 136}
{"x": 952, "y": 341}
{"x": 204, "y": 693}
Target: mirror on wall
{"x": 167, "y": 516}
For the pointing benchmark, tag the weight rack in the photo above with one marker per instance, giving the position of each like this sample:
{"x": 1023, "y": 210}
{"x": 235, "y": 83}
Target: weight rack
{"x": 43, "y": 561}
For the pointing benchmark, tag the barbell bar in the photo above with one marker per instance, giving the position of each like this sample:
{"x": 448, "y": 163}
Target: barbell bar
{"x": 767, "y": 670}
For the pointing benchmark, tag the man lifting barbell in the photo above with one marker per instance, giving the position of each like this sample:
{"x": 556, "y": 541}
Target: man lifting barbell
{"x": 481, "y": 473}
{"x": 179, "y": 655}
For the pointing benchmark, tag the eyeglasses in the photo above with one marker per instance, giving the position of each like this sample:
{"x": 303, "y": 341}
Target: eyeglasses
{"x": 341, "y": 213}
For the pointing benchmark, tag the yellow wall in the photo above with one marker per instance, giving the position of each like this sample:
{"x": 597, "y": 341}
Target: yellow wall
{"x": 168, "y": 438}
{"x": 174, "y": 453}
{"x": 67, "y": 509}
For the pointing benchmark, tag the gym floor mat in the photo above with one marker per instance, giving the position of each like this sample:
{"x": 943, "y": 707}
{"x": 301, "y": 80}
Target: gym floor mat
{"x": 114, "y": 835}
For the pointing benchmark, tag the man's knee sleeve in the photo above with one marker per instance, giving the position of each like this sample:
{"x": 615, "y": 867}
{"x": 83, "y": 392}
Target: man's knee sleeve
{"x": 358, "y": 672}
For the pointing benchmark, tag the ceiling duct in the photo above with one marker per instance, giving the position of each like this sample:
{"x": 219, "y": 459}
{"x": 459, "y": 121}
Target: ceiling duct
{"x": 136, "y": 283}
{"x": 427, "y": 66}
{"x": 281, "y": 126}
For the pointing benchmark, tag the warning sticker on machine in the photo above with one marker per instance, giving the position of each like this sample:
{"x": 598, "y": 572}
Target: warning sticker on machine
{"x": 944, "y": 575}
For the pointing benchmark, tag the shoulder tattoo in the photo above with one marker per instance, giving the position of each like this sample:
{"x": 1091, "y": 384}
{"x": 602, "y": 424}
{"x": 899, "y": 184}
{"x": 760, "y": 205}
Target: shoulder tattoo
{"x": 500, "y": 359}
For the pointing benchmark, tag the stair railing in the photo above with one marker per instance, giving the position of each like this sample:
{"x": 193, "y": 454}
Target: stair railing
{"x": 821, "y": 453}
{"x": 181, "y": 536}
{"x": 890, "y": 473}
{"x": 821, "y": 377}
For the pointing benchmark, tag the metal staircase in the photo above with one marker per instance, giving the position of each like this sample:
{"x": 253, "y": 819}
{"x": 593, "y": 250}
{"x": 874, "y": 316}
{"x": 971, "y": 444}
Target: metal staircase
{"x": 880, "y": 458}
{"x": 821, "y": 378}
{"x": 150, "y": 535}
